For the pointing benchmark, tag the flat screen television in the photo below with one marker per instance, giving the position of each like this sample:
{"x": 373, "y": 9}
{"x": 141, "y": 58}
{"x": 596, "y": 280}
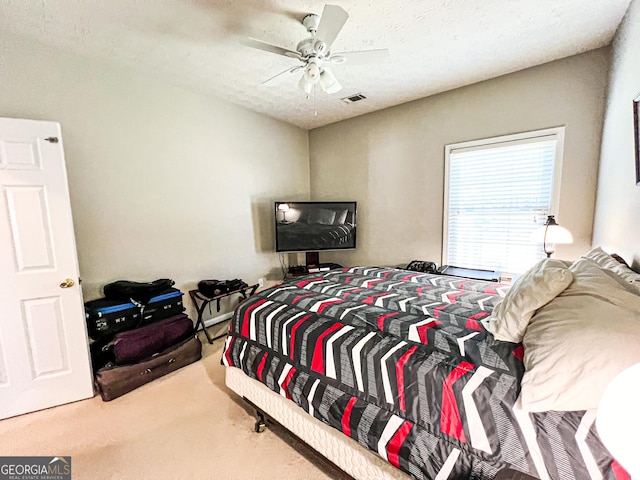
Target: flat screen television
{"x": 315, "y": 226}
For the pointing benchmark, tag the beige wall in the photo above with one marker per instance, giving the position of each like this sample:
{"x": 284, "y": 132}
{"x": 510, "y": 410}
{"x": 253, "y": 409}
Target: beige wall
{"x": 163, "y": 182}
{"x": 617, "y": 224}
{"x": 392, "y": 161}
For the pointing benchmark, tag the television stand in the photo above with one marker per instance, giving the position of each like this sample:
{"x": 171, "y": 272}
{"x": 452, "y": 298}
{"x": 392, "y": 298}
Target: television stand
{"x": 312, "y": 259}
{"x": 301, "y": 270}
{"x": 323, "y": 267}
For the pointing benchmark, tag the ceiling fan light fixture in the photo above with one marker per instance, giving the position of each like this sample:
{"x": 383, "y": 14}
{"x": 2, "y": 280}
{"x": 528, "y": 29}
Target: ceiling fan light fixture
{"x": 328, "y": 82}
{"x": 312, "y": 72}
{"x": 304, "y": 85}
{"x": 314, "y": 52}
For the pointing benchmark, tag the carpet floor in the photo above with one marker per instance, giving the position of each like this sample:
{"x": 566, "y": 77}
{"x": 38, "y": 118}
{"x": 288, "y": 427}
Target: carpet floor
{"x": 185, "y": 425}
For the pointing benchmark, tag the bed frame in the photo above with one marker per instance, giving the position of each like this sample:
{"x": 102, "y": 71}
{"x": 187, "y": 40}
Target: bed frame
{"x": 344, "y": 452}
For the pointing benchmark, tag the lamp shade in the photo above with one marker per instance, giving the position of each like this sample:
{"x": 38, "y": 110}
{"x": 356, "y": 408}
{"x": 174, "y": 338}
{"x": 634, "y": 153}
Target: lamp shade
{"x": 555, "y": 234}
{"x": 618, "y": 419}
{"x": 283, "y": 207}
{"x": 550, "y": 234}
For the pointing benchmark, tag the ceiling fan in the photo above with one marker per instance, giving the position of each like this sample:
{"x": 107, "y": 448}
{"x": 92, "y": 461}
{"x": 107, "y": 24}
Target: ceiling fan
{"x": 315, "y": 54}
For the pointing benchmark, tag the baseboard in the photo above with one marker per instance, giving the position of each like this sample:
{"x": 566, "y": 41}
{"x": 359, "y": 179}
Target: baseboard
{"x": 219, "y": 319}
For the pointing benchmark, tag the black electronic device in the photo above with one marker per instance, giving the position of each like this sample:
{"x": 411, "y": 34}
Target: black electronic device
{"x": 422, "y": 266}
{"x": 315, "y": 226}
{"x": 298, "y": 270}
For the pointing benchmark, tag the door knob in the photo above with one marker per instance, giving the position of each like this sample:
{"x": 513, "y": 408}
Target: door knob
{"x": 67, "y": 283}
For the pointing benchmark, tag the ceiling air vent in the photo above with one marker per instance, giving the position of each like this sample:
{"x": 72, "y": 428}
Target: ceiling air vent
{"x": 354, "y": 98}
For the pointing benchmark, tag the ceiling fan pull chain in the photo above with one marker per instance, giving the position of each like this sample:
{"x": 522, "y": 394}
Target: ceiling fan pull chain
{"x": 315, "y": 106}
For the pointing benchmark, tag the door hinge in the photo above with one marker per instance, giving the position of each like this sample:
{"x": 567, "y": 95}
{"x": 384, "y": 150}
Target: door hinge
{"x": 51, "y": 139}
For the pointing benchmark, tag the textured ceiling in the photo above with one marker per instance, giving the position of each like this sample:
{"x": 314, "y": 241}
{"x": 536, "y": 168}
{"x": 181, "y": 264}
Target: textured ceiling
{"x": 434, "y": 45}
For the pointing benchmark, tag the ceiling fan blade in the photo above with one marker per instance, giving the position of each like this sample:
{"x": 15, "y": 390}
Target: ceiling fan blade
{"x": 270, "y": 47}
{"x": 361, "y": 58}
{"x": 331, "y": 22}
{"x": 276, "y": 79}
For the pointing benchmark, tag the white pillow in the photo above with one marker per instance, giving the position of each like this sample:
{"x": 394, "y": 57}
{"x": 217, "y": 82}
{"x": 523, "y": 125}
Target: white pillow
{"x": 578, "y": 342}
{"x": 534, "y": 289}
{"x": 341, "y": 217}
{"x": 321, "y": 216}
{"x": 606, "y": 261}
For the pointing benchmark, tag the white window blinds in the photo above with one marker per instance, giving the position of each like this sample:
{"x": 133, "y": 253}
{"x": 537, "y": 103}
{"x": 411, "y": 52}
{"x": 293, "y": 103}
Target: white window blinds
{"x": 496, "y": 195}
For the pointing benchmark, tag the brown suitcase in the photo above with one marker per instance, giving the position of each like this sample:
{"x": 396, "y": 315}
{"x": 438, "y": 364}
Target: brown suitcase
{"x": 112, "y": 382}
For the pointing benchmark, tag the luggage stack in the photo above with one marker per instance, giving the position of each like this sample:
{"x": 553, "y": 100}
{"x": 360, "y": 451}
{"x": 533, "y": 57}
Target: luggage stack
{"x": 140, "y": 333}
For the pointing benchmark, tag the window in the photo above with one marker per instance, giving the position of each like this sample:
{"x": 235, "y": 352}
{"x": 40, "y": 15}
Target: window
{"x": 497, "y": 191}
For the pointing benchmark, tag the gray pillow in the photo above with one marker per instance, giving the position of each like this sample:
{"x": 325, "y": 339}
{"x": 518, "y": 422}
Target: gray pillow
{"x": 534, "y": 289}
{"x": 577, "y": 343}
{"x": 606, "y": 261}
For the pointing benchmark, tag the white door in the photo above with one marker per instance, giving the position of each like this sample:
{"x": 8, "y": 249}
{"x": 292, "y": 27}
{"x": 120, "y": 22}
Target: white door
{"x": 44, "y": 357}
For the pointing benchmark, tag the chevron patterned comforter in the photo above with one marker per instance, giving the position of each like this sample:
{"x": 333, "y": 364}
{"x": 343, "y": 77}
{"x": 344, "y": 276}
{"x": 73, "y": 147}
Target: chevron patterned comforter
{"x": 402, "y": 363}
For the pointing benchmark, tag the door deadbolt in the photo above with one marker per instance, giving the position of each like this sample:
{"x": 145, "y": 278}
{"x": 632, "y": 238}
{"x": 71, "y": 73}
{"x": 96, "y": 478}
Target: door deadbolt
{"x": 67, "y": 283}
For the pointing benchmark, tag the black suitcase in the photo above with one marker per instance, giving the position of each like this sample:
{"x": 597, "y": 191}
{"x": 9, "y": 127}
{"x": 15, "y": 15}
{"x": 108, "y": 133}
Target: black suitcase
{"x": 114, "y": 381}
{"x": 106, "y": 317}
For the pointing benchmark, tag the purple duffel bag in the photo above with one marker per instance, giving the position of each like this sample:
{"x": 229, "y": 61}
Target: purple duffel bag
{"x": 141, "y": 343}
